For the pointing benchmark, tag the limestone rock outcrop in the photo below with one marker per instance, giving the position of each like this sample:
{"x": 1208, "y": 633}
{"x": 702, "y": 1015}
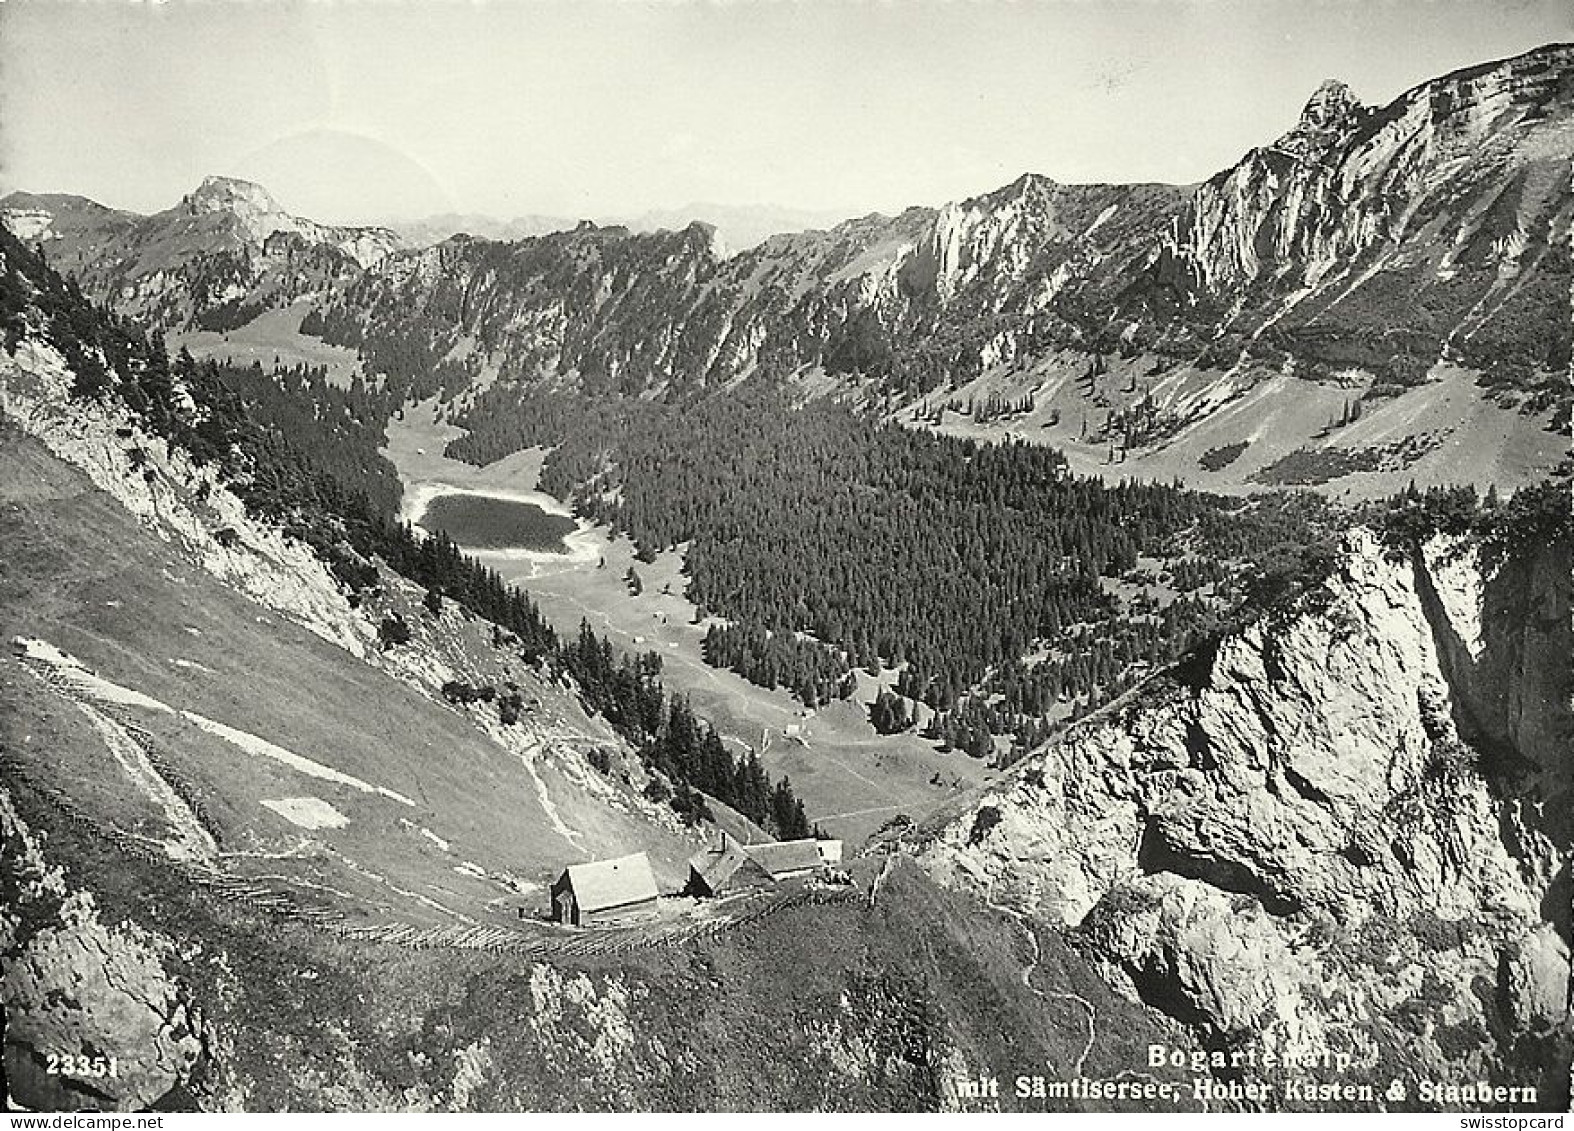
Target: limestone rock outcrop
{"x": 225, "y": 253}
{"x": 1433, "y": 213}
{"x": 1332, "y": 815}
{"x": 92, "y": 1018}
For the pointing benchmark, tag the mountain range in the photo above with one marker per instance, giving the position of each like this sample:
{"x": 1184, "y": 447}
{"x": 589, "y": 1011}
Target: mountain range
{"x": 1414, "y": 257}
{"x": 223, "y": 254}
{"x": 740, "y": 226}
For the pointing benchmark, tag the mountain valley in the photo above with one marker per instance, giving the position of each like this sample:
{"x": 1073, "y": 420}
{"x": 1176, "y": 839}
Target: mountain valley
{"x": 1160, "y": 595}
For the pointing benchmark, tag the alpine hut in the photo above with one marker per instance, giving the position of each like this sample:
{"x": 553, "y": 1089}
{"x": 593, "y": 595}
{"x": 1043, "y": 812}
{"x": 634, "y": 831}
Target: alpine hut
{"x": 605, "y": 891}
{"x": 725, "y": 868}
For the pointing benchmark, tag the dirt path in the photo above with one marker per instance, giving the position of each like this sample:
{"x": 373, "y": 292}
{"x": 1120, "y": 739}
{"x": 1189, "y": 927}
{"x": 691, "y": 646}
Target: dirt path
{"x": 885, "y": 870}
{"x": 1078, "y": 1069}
{"x": 860, "y": 812}
{"x": 548, "y": 806}
{"x": 1063, "y": 995}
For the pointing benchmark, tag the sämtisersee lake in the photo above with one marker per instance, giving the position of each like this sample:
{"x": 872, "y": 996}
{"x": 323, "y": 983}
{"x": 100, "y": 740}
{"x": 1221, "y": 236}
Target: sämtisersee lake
{"x": 485, "y": 522}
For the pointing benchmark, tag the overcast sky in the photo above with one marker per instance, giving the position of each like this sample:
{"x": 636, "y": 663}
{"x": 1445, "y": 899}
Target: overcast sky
{"x": 375, "y": 110}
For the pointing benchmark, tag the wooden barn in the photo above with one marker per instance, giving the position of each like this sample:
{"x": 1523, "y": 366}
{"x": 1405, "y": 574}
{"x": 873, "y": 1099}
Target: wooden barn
{"x": 725, "y": 868}
{"x": 606, "y": 891}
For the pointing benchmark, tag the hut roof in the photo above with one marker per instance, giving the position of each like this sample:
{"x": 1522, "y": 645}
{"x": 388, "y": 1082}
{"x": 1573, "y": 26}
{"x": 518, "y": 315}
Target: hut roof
{"x": 612, "y": 883}
{"x": 785, "y": 857}
{"x": 716, "y": 866}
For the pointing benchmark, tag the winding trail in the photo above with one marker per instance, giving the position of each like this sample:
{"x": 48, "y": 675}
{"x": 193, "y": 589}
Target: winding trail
{"x": 860, "y": 812}
{"x": 885, "y": 870}
{"x": 1079, "y": 1068}
{"x": 377, "y": 878}
{"x": 1064, "y": 995}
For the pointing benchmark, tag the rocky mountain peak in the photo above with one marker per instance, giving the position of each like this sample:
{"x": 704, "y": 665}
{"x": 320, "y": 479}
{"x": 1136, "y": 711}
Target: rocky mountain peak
{"x": 1026, "y": 189}
{"x": 1330, "y": 106}
{"x": 230, "y": 194}
{"x": 1327, "y": 116}
{"x": 1029, "y": 183}
{"x": 707, "y": 239}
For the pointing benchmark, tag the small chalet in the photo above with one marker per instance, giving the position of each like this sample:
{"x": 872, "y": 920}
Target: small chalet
{"x": 606, "y": 891}
{"x": 786, "y": 859}
{"x": 725, "y": 868}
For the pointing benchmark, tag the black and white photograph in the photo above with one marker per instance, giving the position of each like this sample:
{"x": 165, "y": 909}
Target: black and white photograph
{"x": 786, "y": 556}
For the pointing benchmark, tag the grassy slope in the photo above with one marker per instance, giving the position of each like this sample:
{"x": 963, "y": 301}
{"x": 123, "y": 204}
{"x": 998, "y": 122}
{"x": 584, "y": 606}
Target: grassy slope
{"x": 1478, "y": 442}
{"x": 839, "y": 1007}
{"x": 79, "y": 573}
{"x": 273, "y": 335}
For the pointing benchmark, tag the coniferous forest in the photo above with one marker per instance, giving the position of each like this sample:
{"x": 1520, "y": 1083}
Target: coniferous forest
{"x": 1004, "y": 589}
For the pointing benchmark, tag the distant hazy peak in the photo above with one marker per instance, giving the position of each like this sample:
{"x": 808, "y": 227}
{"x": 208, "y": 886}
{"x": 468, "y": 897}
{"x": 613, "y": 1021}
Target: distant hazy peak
{"x": 230, "y": 194}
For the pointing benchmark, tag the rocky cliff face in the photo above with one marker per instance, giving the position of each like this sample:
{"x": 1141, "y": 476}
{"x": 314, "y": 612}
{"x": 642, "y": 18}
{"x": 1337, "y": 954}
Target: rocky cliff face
{"x": 1349, "y": 178}
{"x": 1343, "y": 828}
{"x": 74, "y": 984}
{"x": 256, "y": 216}
{"x": 182, "y": 504}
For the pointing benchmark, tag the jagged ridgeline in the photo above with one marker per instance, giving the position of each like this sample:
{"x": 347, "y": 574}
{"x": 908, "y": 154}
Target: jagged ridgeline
{"x": 1384, "y": 240}
{"x": 302, "y": 455}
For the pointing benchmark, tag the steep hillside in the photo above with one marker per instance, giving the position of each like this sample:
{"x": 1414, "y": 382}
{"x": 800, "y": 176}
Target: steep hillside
{"x": 1343, "y": 828}
{"x": 135, "y": 615}
{"x": 236, "y": 923}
